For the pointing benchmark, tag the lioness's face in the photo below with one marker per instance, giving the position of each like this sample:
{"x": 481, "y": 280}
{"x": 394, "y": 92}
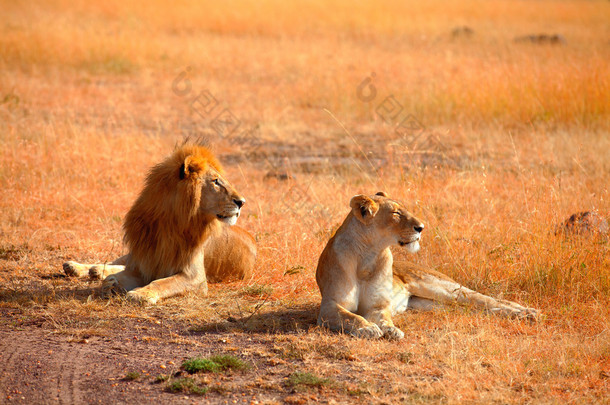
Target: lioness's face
{"x": 219, "y": 198}
{"x": 388, "y": 218}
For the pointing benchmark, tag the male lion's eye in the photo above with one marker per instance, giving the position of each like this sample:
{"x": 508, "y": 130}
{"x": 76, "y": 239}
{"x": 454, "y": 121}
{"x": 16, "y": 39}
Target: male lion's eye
{"x": 216, "y": 182}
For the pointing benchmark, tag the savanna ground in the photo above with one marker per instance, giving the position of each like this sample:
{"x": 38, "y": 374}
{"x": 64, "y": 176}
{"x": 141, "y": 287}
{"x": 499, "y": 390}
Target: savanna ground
{"x": 491, "y": 142}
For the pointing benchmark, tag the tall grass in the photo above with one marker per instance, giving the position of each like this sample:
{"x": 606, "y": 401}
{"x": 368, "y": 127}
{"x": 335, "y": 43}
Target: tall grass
{"x": 282, "y": 57}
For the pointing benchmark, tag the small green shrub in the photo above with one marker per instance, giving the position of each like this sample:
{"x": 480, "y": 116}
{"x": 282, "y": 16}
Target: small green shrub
{"x": 307, "y": 379}
{"x": 230, "y": 362}
{"x": 132, "y": 375}
{"x": 214, "y": 364}
{"x": 187, "y": 385}
{"x": 197, "y": 364}
{"x": 161, "y": 378}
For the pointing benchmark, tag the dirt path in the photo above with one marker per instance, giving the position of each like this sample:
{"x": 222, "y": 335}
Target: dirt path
{"x": 44, "y": 368}
{"x": 39, "y": 367}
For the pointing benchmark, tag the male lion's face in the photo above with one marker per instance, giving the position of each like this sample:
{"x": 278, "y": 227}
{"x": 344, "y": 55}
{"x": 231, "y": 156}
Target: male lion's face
{"x": 219, "y": 198}
{"x": 388, "y": 219}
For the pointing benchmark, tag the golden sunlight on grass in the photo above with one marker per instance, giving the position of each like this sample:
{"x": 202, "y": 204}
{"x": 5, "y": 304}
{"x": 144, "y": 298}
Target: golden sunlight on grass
{"x": 506, "y": 140}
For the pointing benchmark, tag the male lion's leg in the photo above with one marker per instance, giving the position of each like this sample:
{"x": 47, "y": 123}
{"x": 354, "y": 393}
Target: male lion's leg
{"x": 126, "y": 280}
{"x": 335, "y": 317}
{"x": 167, "y": 287}
{"x": 101, "y": 271}
{"x": 447, "y": 291}
{"x": 75, "y": 269}
{"x": 191, "y": 277}
{"x": 96, "y": 271}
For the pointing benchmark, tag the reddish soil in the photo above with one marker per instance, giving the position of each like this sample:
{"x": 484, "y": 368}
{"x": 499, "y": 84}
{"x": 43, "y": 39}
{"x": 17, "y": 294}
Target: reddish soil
{"x": 40, "y": 366}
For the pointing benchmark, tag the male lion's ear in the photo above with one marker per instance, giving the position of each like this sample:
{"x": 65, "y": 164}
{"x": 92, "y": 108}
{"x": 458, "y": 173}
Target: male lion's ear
{"x": 381, "y": 194}
{"x": 190, "y": 167}
{"x": 364, "y": 208}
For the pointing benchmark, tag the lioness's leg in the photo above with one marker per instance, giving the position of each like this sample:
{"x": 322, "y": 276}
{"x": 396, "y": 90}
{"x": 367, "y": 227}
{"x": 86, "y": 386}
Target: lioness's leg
{"x": 447, "y": 291}
{"x": 376, "y": 306}
{"x": 191, "y": 278}
{"x": 335, "y": 317}
{"x": 97, "y": 271}
{"x": 383, "y": 318}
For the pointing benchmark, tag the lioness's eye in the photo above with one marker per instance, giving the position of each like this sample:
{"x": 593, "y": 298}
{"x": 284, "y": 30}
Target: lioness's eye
{"x": 216, "y": 182}
{"x": 396, "y": 215}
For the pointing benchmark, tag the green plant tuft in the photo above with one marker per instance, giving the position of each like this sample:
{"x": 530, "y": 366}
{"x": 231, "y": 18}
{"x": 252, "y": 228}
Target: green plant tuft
{"x": 187, "y": 385}
{"x": 197, "y": 364}
{"x": 307, "y": 379}
{"x": 161, "y": 378}
{"x": 214, "y": 364}
{"x": 132, "y": 375}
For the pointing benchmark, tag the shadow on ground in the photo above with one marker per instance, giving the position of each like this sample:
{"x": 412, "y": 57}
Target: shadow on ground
{"x": 287, "y": 320}
{"x": 43, "y": 294}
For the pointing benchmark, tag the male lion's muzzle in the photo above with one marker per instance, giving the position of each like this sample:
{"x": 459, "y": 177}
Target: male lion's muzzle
{"x": 232, "y": 213}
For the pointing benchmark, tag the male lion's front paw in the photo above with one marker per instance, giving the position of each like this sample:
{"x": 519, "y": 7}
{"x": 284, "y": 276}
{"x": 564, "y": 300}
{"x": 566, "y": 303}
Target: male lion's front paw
{"x": 111, "y": 285}
{"x": 73, "y": 269}
{"x": 96, "y": 272}
{"x": 371, "y": 331}
{"x": 392, "y": 333}
{"x": 142, "y": 297}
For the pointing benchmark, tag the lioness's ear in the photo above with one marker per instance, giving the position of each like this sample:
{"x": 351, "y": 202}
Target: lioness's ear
{"x": 382, "y": 194}
{"x": 364, "y": 208}
{"x": 190, "y": 167}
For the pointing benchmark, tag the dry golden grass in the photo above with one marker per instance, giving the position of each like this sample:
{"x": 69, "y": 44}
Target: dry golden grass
{"x": 86, "y": 106}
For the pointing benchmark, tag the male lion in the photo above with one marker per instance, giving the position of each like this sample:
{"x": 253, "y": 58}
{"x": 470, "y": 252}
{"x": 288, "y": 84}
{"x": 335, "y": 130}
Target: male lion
{"x": 179, "y": 232}
{"x": 362, "y": 287}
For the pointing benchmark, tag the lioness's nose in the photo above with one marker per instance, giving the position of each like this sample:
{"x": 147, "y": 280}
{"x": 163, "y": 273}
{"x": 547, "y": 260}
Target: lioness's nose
{"x": 239, "y": 202}
{"x": 419, "y": 228}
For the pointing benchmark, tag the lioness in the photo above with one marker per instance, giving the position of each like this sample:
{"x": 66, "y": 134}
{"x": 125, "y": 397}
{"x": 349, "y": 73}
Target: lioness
{"x": 362, "y": 287}
{"x": 179, "y": 231}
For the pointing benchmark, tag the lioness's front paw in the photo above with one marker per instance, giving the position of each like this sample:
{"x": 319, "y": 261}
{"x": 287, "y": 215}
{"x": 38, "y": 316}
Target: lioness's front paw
{"x": 368, "y": 332}
{"x": 142, "y": 297}
{"x": 392, "y": 333}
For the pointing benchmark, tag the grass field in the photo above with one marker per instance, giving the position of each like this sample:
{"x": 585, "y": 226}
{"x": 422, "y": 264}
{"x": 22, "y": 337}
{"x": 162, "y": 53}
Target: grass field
{"x": 490, "y": 141}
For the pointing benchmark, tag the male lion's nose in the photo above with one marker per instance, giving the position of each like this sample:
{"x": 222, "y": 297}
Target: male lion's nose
{"x": 239, "y": 202}
{"x": 419, "y": 228}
